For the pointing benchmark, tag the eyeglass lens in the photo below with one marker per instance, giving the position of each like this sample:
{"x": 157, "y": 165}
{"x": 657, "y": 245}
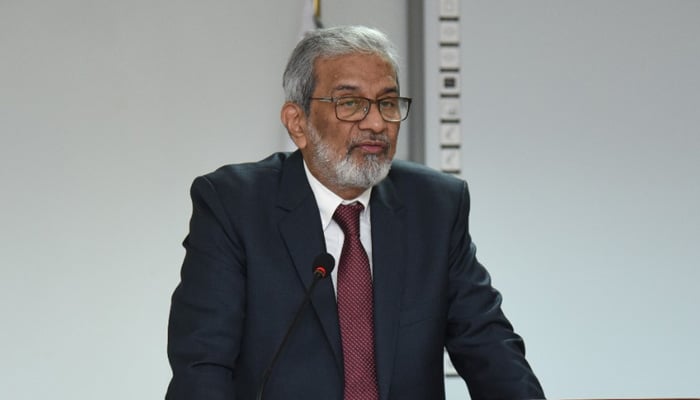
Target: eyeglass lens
{"x": 356, "y": 108}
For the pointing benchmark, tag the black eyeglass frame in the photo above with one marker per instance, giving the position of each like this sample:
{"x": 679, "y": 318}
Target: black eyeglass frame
{"x": 335, "y": 101}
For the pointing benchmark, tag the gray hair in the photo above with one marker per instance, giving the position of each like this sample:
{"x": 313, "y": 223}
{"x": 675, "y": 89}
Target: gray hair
{"x": 299, "y": 78}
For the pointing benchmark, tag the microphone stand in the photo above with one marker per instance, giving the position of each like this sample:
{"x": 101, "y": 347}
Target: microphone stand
{"x": 318, "y": 275}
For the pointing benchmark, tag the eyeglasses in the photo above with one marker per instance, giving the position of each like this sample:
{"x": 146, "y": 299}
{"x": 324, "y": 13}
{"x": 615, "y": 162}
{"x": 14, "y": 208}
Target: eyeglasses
{"x": 355, "y": 108}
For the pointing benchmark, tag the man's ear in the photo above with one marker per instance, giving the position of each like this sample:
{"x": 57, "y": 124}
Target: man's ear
{"x": 294, "y": 119}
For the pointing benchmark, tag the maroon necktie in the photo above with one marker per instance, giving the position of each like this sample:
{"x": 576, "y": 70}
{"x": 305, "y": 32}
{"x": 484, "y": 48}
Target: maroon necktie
{"x": 355, "y": 309}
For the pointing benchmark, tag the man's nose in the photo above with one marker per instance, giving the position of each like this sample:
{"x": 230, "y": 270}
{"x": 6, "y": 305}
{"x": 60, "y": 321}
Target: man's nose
{"x": 373, "y": 120}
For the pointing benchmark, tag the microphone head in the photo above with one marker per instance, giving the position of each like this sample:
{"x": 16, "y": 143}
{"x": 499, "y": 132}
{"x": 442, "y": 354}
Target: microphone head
{"x": 323, "y": 265}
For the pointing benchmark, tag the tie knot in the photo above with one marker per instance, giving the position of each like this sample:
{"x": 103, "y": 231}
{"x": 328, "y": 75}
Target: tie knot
{"x": 348, "y": 217}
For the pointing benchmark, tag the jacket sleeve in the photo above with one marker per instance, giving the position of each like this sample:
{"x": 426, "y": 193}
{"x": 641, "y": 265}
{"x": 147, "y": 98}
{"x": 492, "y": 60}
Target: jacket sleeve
{"x": 208, "y": 305}
{"x": 482, "y": 345}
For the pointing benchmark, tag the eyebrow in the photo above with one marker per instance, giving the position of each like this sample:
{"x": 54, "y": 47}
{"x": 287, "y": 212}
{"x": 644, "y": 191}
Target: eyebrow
{"x": 344, "y": 87}
{"x": 386, "y": 91}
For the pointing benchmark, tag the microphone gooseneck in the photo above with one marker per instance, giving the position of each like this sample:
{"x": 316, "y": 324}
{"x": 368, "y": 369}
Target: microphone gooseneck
{"x": 322, "y": 266}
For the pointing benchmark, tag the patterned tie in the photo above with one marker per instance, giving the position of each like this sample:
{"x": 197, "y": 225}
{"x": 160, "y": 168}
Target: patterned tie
{"x": 355, "y": 309}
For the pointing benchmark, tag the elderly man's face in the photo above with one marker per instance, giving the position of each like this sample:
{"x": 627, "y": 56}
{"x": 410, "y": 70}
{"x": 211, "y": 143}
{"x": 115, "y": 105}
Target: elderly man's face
{"x": 349, "y": 157}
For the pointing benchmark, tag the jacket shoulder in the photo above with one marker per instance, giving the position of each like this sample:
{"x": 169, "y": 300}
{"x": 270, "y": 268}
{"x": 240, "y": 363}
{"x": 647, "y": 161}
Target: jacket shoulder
{"x": 408, "y": 175}
{"x": 243, "y": 184}
{"x": 249, "y": 171}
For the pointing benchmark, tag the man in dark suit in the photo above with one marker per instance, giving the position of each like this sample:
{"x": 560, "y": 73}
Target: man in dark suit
{"x": 408, "y": 284}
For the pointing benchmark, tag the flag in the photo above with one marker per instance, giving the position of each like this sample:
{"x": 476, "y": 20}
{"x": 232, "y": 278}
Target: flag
{"x": 310, "y": 17}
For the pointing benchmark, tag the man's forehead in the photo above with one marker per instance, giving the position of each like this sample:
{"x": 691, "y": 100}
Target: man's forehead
{"x": 353, "y": 58}
{"x": 354, "y": 71}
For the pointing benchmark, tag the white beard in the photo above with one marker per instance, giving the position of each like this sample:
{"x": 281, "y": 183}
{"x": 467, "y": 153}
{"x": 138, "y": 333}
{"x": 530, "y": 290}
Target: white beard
{"x": 344, "y": 171}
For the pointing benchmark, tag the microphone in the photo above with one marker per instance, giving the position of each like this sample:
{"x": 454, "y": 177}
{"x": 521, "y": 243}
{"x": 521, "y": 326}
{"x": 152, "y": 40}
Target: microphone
{"x": 322, "y": 266}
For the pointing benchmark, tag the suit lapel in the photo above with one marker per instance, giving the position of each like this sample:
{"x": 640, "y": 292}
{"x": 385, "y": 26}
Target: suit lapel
{"x": 302, "y": 233}
{"x": 388, "y": 250}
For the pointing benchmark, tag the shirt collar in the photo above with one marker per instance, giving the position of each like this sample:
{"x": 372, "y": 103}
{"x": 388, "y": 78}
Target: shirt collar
{"x": 328, "y": 201}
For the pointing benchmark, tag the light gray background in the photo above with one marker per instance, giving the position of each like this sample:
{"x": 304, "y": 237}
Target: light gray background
{"x": 581, "y": 148}
{"x": 581, "y": 144}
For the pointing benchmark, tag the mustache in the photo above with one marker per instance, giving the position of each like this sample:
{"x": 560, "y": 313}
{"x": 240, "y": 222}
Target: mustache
{"x": 370, "y": 137}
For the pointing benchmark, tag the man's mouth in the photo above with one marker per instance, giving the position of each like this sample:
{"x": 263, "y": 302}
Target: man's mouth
{"x": 371, "y": 146}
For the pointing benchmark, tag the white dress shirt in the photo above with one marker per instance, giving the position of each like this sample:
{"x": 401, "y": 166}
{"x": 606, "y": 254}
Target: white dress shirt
{"x": 327, "y": 203}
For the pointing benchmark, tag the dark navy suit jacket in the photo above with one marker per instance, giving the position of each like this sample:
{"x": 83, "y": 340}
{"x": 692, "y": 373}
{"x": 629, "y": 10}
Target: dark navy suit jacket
{"x": 254, "y": 233}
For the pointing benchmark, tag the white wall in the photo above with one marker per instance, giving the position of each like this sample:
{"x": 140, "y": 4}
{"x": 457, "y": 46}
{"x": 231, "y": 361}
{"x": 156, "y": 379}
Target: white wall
{"x": 108, "y": 110}
{"x": 581, "y": 144}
